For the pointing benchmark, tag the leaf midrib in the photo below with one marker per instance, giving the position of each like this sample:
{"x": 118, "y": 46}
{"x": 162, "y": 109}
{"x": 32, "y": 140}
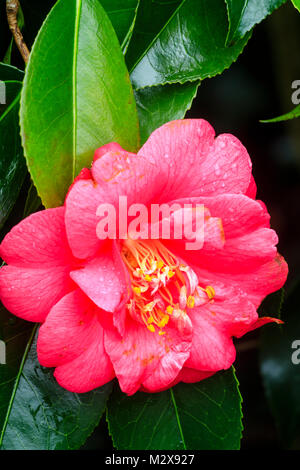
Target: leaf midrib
{"x": 17, "y": 380}
{"x": 74, "y": 83}
{"x": 157, "y": 36}
{"x": 178, "y": 419}
{"x": 232, "y": 33}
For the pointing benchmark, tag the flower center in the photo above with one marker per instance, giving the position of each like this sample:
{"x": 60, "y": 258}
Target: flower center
{"x": 162, "y": 286}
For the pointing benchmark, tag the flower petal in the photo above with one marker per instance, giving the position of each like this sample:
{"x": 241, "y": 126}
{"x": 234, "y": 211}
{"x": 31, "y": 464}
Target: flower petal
{"x": 70, "y": 328}
{"x": 38, "y": 241}
{"x": 230, "y": 311}
{"x": 142, "y": 357}
{"x": 211, "y": 349}
{"x": 242, "y": 254}
{"x": 30, "y": 293}
{"x": 81, "y": 206}
{"x": 121, "y": 173}
{"x": 192, "y": 375}
{"x": 239, "y": 214}
{"x": 182, "y": 228}
{"x": 259, "y": 283}
{"x": 104, "y": 279}
{"x": 197, "y": 164}
{"x": 90, "y": 370}
{"x": 185, "y": 375}
{"x": 261, "y": 322}
{"x": 229, "y": 314}
{"x": 111, "y": 147}
{"x": 247, "y": 240}
{"x": 115, "y": 174}
{"x": 252, "y": 189}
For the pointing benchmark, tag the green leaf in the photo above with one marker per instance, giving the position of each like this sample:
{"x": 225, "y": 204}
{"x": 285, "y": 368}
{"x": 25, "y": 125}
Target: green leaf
{"x": 152, "y": 16}
{"x": 10, "y": 73}
{"x": 41, "y": 415}
{"x": 190, "y": 46}
{"x": 295, "y": 113}
{"x": 272, "y": 304}
{"x": 161, "y": 104}
{"x": 12, "y": 163}
{"x": 245, "y": 14}
{"x": 7, "y": 57}
{"x": 201, "y": 416}
{"x": 296, "y": 4}
{"x": 280, "y": 375}
{"x": 33, "y": 201}
{"x": 76, "y": 97}
{"x": 122, "y": 14}
{"x": 14, "y": 334}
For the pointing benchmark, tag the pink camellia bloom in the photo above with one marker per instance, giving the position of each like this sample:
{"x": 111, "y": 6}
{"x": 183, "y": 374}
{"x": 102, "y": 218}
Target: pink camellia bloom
{"x": 147, "y": 311}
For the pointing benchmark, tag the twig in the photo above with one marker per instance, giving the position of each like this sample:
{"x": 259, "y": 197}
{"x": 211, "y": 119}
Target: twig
{"x": 12, "y": 8}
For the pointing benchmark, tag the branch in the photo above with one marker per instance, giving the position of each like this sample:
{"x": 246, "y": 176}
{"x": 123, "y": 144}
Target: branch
{"x": 12, "y": 8}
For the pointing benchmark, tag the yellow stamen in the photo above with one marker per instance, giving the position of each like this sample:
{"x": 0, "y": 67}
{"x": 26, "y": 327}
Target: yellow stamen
{"x": 210, "y": 292}
{"x": 159, "y": 284}
{"x": 169, "y": 309}
{"x": 191, "y": 301}
{"x": 164, "y": 321}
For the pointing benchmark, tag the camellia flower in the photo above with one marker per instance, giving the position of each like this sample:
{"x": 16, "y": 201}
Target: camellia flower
{"x": 147, "y": 311}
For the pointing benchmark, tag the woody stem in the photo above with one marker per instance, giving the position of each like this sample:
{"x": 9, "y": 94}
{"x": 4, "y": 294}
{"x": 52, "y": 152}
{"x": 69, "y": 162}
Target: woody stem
{"x": 12, "y": 8}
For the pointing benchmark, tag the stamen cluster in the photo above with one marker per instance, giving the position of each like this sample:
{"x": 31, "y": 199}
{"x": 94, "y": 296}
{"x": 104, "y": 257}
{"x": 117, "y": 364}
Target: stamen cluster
{"x": 162, "y": 286}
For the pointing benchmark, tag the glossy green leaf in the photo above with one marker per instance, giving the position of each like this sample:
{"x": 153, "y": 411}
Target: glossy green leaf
{"x": 280, "y": 369}
{"x": 272, "y": 304}
{"x": 205, "y": 415}
{"x": 122, "y": 15}
{"x": 296, "y": 4}
{"x": 10, "y": 73}
{"x": 14, "y": 334}
{"x": 161, "y": 104}
{"x": 41, "y": 415}
{"x": 295, "y": 113}
{"x": 152, "y": 16}
{"x": 33, "y": 201}
{"x": 12, "y": 163}
{"x": 7, "y": 57}
{"x": 76, "y": 97}
{"x": 190, "y": 46}
{"x": 245, "y": 14}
